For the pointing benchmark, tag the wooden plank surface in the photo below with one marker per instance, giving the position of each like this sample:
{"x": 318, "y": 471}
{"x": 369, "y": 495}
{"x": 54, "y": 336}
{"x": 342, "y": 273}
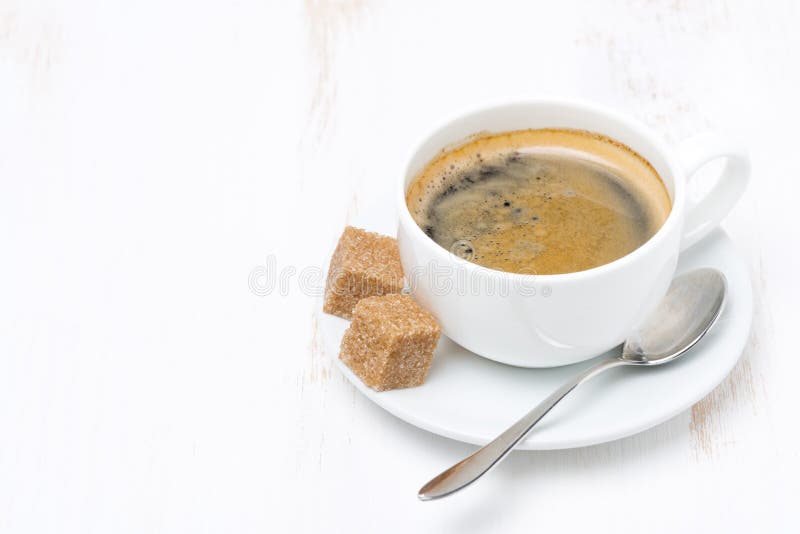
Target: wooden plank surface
{"x": 156, "y": 158}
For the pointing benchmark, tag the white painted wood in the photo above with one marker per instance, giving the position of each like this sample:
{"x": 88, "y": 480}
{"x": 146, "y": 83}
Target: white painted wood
{"x": 153, "y": 154}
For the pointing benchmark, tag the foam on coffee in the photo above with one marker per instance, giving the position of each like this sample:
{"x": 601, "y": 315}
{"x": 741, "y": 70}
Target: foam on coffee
{"x": 543, "y": 201}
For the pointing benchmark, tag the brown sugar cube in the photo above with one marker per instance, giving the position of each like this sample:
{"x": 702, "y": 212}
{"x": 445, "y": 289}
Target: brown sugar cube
{"x": 390, "y": 342}
{"x": 364, "y": 264}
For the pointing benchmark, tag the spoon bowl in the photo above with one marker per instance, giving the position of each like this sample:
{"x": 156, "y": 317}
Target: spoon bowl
{"x": 693, "y": 303}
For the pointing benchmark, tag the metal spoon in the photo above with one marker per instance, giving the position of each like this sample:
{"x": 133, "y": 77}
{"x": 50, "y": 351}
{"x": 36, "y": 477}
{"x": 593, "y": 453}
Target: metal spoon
{"x": 692, "y": 305}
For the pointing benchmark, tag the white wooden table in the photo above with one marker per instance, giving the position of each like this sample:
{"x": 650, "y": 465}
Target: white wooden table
{"x": 153, "y": 154}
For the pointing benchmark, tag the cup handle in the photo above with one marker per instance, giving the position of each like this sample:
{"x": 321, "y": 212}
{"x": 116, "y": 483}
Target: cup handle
{"x": 703, "y": 215}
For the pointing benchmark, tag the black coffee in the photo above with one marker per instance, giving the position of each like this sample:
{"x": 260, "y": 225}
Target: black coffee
{"x": 539, "y": 201}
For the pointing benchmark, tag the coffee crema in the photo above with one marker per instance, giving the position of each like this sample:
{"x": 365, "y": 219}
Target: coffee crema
{"x": 544, "y": 201}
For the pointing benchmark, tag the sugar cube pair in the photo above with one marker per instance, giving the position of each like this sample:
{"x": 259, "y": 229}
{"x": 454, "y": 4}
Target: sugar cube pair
{"x": 391, "y": 339}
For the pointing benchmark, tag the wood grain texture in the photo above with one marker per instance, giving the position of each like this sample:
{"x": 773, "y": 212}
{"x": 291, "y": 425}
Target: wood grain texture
{"x": 327, "y": 21}
{"x": 152, "y": 153}
{"x": 708, "y": 428}
{"x": 31, "y": 40}
{"x": 321, "y": 367}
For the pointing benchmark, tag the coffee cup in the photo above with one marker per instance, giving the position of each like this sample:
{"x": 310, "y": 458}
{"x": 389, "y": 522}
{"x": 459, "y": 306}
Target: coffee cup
{"x": 549, "y": 320}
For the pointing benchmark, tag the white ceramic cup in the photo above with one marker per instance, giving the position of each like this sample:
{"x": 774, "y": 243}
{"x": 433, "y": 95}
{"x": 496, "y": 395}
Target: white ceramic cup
{"x": 550, "y": 320}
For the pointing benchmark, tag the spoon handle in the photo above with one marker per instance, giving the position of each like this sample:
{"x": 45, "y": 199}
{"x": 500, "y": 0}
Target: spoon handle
{"x": 473, "y": 467}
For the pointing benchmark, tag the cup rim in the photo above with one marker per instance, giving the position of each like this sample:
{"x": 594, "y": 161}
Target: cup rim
{"x": 678, "y": 200}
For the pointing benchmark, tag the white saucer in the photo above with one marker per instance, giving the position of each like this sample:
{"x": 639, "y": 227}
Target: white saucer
{"x": 472, "y": 399}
